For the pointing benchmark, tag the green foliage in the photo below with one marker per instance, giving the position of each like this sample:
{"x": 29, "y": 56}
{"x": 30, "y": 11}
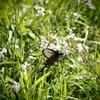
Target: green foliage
{"x": 22, "y": 27}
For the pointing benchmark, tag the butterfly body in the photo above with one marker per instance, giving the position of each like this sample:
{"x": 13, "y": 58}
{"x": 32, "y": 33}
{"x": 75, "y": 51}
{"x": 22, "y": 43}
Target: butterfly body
{"x": 52, "y": 56}
{"x": 50, "y": 61}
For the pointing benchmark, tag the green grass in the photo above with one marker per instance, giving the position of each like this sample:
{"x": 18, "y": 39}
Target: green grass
{"x": 23, "y": 34}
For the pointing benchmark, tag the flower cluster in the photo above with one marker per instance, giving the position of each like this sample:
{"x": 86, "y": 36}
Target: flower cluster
{"x": 66, "y": 45}
{"x": 3, "y": 51}
{"x": 82, "y": 48}
{"x": 24, "y": 67}
{"x": 88, "y": 3}
{"x": 40, "y": 10}
{"x": 55, "y": 43}
{"x": 16, "y": 86}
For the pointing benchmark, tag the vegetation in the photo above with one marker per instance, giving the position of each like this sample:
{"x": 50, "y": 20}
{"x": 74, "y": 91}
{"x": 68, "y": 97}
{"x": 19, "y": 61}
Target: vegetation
{"x": 29, "y": 26}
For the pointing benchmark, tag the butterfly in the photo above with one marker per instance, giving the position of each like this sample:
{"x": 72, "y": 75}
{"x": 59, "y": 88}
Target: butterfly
{"x": 52, "y": 56}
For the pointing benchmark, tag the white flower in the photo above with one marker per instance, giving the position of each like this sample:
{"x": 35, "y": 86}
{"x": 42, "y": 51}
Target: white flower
{"x": 90, "y": 5}
{"x": 1, "y": 55}
{"x": 58, "y": 44}
{"x": 25, "y": 65}
{"x": 80, "y": 48}
{"x": 31, "y": 50}
{"x": 16, "y": 46}
{"x": 64, "y": 43}
{"x": 4, "y": 50}
{"x": 87, "y": 2}
{"x": 47, "y": 1}
{"x": 44, "y": 44}
{"x": 70, "y": 36}
{"x": 86, "y": 48}
{"x": 2, "y": 69}
{"x": 40, "y": 10}
{"x": 36, "y": 7}
{"x": 82, "y": 1}
{"x": 31, "y": 57}
{"x": 16, "y": 86}
{"x": 52, "y": 46}
{"x": 39, "y": 13}
{"x": 53, "y": 36}
{"x": 80, "y": 59}
{"x": 76, "y": 14}
{"x": 50, "y": 12}
{"x": 65, "y": 50}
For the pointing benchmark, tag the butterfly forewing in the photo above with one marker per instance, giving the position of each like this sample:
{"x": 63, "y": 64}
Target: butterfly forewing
{"x": 48, "y": 53}
{"x": 53, "y": 58}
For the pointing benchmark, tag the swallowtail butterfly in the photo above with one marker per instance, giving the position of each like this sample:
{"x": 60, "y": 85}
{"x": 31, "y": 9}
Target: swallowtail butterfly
{"x": 52, "y": 56}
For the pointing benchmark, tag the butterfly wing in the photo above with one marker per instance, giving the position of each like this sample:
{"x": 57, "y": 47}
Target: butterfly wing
{"x": 54, "y": 58}
{"x": 61, "y": 56}
{"x": 48, "y": 52}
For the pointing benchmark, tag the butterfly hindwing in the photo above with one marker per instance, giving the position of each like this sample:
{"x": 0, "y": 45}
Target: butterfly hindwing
{"x": 61, "y": 56}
